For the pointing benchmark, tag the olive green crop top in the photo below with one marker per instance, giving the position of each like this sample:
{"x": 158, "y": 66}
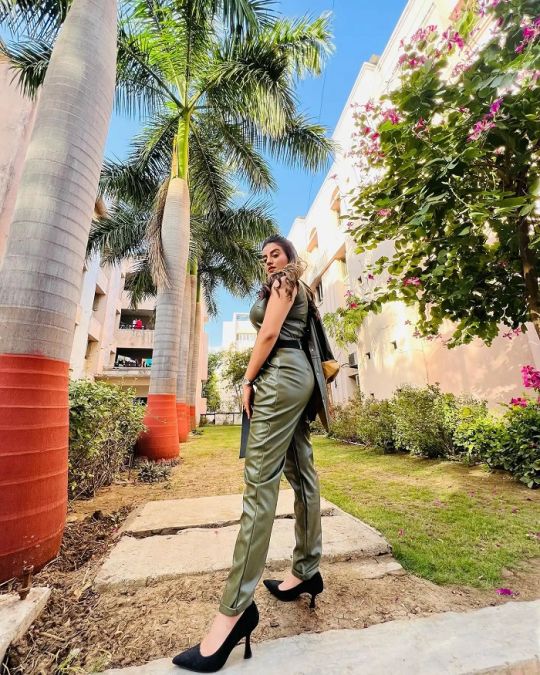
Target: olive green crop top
{"x": 296, "y": 320}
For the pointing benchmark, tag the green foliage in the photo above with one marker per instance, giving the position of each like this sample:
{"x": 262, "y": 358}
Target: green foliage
{"x": 210, "y": 389}
{"x": 153, "y": 472}
{"x": 235, "y": 364}
{"x": 104, "y": 423}
{"x": 520, "y": 452}
{"x": 420, "y": 422}
{"x": 456, "y": 179}
{"x": 376, "y": 425}
{"x": 481, "y": 440}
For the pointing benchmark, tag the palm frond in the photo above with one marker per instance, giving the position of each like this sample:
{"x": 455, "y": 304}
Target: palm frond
{"x": 303, "y": 144}
{"x": 139, "y": 284}
{"x": 118, "y": 235}
{"x": 240, "y": 152}
{"x": 148, "y": 164}
{"x": 39, "y": 18}
{"x": 28, "y": 60}
{"x": 210, "y": 183}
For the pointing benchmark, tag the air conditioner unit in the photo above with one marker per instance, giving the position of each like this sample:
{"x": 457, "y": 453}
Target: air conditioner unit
{"x": 353, "y": 360}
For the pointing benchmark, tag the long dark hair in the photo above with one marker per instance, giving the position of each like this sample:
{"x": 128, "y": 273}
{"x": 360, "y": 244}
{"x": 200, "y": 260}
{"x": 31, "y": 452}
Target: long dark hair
{"x": 290, "y": 274}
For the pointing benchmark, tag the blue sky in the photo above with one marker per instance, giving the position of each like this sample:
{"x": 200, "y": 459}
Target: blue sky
{"x": 361, "y": 28}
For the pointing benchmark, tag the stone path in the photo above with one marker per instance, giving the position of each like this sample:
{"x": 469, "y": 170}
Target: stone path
{"x": 17, "y": 615}
{"x": 504, "y": 639}
{"x": 168, "y": 539}
{"x": 204, "y": 539}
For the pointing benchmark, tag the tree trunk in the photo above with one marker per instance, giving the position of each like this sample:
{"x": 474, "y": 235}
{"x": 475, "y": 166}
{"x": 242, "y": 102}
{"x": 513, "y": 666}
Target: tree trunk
{"x": 194, "y": 362}
{"x": 192, "y": 365}
{"x": 530, "y": 273}
{"x": 183, "y": 351}
{"x": 40, "y": 283}
{"x": 160, "y": 441}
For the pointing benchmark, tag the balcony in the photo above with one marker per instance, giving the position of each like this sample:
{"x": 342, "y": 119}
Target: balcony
{"x": 133, "y": 338}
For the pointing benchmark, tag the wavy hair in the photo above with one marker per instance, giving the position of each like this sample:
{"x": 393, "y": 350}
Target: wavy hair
{"x": 288, "y": 276}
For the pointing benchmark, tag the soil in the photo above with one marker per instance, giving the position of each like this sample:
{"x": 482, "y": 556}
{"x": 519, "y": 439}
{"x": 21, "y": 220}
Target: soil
{"x": 81, "y": 631}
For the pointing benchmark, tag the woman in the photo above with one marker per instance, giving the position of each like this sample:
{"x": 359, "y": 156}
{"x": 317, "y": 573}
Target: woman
{"x": 279, "y": 440}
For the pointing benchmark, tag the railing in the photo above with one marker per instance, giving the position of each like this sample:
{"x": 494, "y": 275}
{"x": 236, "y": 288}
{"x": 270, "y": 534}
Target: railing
{"x": 129, "y": 326}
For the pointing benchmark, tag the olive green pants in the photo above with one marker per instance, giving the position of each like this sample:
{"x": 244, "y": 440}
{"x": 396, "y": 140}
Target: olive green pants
{"x": 279, "y": 441}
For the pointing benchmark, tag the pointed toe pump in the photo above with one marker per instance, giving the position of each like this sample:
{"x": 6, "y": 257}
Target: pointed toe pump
{"x": 313, "y": 586}
{"x": 192, "y": 659}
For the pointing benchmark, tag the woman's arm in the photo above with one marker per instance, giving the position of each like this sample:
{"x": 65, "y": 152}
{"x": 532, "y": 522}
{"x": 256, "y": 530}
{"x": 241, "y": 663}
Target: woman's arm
{"x": 277, "y": 308}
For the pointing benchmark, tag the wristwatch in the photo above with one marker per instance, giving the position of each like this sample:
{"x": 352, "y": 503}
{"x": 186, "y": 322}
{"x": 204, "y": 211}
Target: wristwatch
{"x": 247, "y": 381}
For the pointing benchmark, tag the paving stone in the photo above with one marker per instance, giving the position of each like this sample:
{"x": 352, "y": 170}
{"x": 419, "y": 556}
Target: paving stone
{"x": 135, "y": 562}
{"x": 16, "y": 615}
{"x": 374, "y": 568}
{"x": 172, "y": 515}
{"x": 500, "y": 639}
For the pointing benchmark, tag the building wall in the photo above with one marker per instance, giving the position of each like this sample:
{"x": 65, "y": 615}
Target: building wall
{"x": 387, "y": 352}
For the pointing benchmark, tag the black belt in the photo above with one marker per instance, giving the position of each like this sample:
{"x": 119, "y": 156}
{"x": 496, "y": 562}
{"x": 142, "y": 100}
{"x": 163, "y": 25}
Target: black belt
{"x": 295, "y": 344}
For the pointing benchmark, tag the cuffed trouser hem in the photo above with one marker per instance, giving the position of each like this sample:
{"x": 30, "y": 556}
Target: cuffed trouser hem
{"x": 306, "y": 575}
{"x": 234, "y": 611}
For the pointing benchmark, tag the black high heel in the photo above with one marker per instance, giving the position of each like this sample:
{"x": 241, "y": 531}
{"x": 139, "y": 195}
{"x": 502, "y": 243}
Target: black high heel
{"x": 192, "y": 659}
{"x": 314, "y": 585}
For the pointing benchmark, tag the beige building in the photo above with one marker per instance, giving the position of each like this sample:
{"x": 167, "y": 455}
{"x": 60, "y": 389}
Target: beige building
{"x": 106, "y": 344}
{"x": 387, "y": 354}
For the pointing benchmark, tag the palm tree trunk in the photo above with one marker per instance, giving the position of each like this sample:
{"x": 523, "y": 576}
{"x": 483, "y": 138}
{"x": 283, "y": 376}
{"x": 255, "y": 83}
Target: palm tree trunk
{"x": 183, "y": 352}
{"x": 190, "y": 399}
{"x": 40, "y": 283}
{"x": 194, "y": 364}
{"x": 160, "y": 440}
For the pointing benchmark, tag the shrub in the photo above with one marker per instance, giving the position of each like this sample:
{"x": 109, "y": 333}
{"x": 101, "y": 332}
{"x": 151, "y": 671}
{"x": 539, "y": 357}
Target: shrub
{"x": 104, "y": 423}
{"x": 419, "y": 421}
{"x": 481, "y": 439}
{"x": 344, "y": 419}
{"x": 520, "y": 451}
{"x": 375, "y": 425}
{"x": 154, "y": 472}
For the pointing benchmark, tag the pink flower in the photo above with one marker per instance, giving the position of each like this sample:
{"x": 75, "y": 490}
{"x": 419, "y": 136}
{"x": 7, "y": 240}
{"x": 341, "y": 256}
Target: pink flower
{"x": 412, "y": 281}
{"x": 391, "y": 114}
{"x": 453, "y": 38}
{"x": 518, "y": 401}
{"x": 369, "y": 107}
{"x": 402, "y": 59}
{"x": 353, "y": 305}
{"x": 384, "y": 212}
{"x": 480, "y": 127}
{"x": 370, "y": 277}
{"x": 531, "y": 377}
{"x": 348, "y": 293}
{"x": 495, "y": 107}
{"x": 504, "y": 591}
{"x": 512, "y": 333}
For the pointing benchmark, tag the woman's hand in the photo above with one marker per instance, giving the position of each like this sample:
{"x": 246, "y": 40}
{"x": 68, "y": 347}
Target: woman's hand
{"x": 247, "y": 399}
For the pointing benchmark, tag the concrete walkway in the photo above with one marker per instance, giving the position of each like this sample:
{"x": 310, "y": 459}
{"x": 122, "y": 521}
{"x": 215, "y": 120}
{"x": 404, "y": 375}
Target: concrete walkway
{"x": 17, "y": 615}
{"x": 502, "y": 639}
{"x": 204, "y": 540}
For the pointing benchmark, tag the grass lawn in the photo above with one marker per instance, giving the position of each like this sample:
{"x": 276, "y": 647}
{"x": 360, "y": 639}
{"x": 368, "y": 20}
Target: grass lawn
{"x": 445, "y": 521}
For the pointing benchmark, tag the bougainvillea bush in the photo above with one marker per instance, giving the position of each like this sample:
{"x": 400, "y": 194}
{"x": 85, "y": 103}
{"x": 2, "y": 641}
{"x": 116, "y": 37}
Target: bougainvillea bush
{"x": 451, "y": 165}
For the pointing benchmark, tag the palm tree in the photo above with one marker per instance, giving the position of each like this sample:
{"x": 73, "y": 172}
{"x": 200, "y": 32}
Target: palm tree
{"x": 42, "y": 271}
{"x": 219, "y": 243}
{"x": 40, "y": 282}
{"x": 226, "y": 99}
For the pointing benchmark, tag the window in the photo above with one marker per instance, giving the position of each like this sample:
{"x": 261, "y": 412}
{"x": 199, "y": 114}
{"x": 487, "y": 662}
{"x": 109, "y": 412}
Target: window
{"x": 319, "y": 292}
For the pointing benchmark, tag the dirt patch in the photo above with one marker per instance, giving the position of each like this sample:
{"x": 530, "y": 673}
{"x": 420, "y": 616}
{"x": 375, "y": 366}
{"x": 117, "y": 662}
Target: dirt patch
{"x": 81, "y": 631}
